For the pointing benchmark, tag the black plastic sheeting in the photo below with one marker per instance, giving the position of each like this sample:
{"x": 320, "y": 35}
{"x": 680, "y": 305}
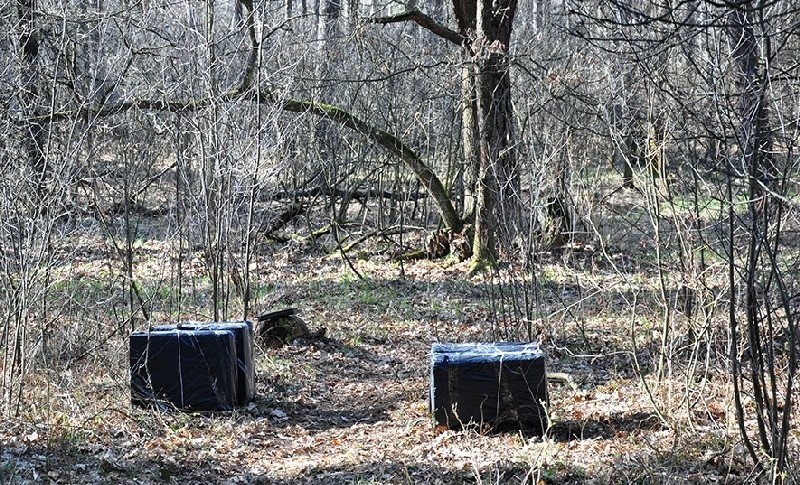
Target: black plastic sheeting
{"x": 190, "y": 369}
{"x": 502, "y": 385}
{"x": 245, "y": 360}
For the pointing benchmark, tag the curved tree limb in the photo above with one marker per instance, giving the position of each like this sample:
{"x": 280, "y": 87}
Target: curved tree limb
{"x": 391, "y": 143}
{"x": 424, "y": 21}
{"x": 244, "y": 90}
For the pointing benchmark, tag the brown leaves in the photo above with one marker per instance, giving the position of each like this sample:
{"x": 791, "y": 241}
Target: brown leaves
{"x": 355, "y": 407}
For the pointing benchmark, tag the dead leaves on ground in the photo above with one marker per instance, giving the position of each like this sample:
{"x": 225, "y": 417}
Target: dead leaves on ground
{"x": 354, "y": 408}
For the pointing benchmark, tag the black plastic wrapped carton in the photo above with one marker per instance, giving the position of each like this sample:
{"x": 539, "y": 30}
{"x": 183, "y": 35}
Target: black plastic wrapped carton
{"x": 501, "y": 385}
{"x": 245, "y": 360}
{"x": 190, "y": 369}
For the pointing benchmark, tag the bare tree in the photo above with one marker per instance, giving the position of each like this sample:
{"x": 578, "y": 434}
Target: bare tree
{"x": 738, "y": 52}
{"x": 484, "y": 33}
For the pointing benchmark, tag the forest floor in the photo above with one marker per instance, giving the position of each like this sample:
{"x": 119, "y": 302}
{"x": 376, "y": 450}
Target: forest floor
{"x": 353, "y": 408}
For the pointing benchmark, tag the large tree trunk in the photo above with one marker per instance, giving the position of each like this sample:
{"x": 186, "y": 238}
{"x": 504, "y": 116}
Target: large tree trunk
{"x": 486, "y": 27}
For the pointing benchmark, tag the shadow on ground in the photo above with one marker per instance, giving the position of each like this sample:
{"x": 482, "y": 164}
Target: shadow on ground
{"x": 605, "y": 427}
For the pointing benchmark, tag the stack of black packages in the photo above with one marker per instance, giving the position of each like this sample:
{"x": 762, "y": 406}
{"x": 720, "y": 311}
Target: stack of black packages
{"x": 500, "y": 385}
{"x": 193, "y": 366}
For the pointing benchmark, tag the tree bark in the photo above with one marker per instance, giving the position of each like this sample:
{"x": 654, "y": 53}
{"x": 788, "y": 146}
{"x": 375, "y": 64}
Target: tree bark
{"x": 469, "y": 138}
{"x": 487, "y": 26}
{"x": 484, "y": 33}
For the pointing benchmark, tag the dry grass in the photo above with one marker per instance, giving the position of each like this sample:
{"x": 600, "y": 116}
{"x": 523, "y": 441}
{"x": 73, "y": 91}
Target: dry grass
{"x": 354, "y": 409}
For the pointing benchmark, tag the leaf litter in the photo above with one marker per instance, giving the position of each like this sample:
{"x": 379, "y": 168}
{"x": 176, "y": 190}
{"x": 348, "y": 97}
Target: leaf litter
{"x": 353, "y": 408}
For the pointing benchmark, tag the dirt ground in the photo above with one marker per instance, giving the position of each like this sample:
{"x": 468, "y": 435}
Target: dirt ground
{"x": 353, "y": 408}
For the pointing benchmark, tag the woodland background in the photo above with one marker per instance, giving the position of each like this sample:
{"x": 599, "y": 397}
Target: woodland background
{"x": 615, "y": 179}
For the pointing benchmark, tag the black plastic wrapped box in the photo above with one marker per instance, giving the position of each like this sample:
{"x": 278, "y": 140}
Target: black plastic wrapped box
{"x": 245, "y": 360}
{"x": 502, "y": 385}
{"x": 190, "y": 369}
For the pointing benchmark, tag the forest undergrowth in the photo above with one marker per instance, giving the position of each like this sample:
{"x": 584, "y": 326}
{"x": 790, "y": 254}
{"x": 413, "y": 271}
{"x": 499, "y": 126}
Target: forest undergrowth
{"x": 353, "y": 407}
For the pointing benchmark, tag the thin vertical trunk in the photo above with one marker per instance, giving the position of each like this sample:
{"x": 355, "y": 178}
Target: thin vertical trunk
{"x": 469, "y": 138}
{"x": 211, "y": 182}
{"x": 33, "y": 135}
{"x": 15, "y": 325}
{"x": 754, "y": 140}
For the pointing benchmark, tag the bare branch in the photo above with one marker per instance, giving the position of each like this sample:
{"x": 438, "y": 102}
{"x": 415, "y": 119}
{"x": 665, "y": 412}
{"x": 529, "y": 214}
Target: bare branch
{"x": 391, "y": 143}
{"x": 424, "y": 21}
